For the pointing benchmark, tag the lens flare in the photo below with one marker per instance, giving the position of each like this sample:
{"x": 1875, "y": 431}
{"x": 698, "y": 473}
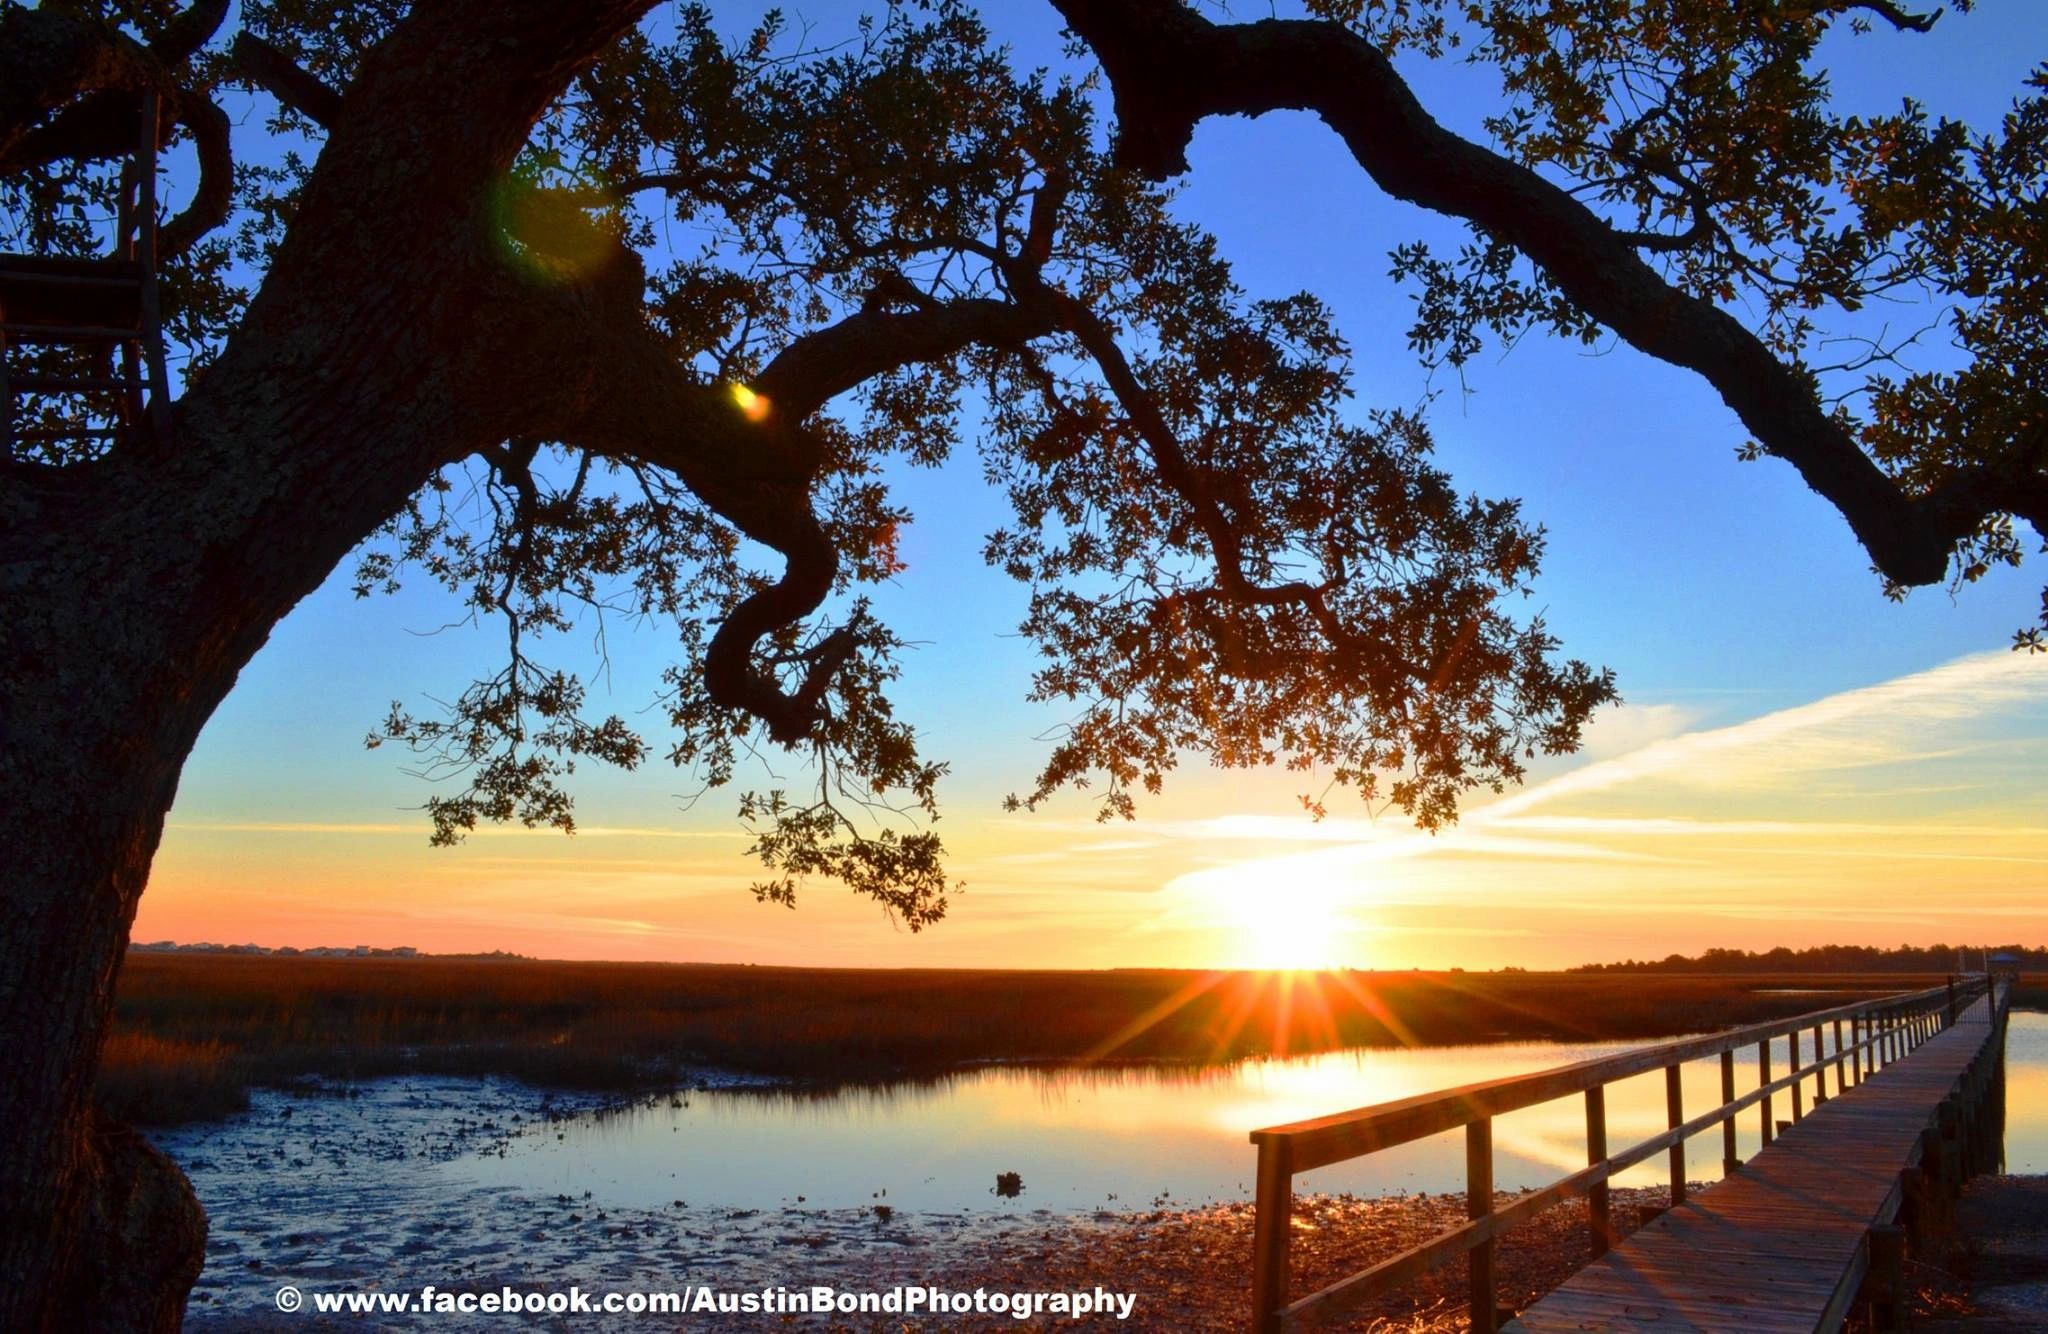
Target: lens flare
{"x": 753, "y": 406}
{"x": 557, "y": 233}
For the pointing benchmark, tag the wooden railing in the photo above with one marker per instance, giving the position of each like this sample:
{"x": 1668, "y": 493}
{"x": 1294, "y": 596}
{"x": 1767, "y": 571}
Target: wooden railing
{"x": 1867, "y": 1036}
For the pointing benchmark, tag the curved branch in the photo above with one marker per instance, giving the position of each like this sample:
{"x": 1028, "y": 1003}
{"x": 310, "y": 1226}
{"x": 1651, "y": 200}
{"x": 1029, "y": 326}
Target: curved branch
{"x": 48, "y": 57}
{"x": 86, "y": 72}
{"x": 734, "y": 679}
{"x": 818, "y": 366}
{"x": 214, "y": 197}
{"x": 627, "y": 396}
{"x": 105, "y": 70}
{"x": 1171, "y": 68}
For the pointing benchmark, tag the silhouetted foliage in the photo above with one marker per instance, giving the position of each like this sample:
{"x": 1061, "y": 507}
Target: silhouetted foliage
{"x": 1924, "y": 959}
{"x": 1677, "y": 174}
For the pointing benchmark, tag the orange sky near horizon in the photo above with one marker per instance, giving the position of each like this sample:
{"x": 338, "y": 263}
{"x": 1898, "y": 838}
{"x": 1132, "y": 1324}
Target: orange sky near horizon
{"x": 1905, "y": 811}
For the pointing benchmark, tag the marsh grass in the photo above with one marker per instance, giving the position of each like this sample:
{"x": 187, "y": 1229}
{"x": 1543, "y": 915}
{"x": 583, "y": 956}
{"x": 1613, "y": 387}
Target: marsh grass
{"x": 189, "y": 1029}
{"x": 147, "y": 1080}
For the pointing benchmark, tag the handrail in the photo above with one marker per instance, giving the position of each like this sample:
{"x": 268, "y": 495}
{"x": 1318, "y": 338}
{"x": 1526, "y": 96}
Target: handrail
{"x": 1879, "y": 1032}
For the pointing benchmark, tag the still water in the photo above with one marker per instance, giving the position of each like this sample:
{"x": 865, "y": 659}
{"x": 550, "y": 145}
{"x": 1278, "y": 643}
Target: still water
{"x": 1127, "y": 1138}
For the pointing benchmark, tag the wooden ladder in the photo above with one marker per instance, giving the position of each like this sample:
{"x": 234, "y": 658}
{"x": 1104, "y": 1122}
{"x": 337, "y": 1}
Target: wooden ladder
{"x": 106, "y": 303}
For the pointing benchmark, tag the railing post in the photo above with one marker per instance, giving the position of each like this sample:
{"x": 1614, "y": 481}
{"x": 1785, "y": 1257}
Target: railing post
{"x": 1841, "y": 1071}
{"x": 1478, "y": 1204}
{"x": 1674, "y": 1104}
{"x": 1272, "y": 1224}
{"x": 1792, "y": 1069}
{"x": 1820, "y": 1061}
{"x": 1763, "y": 1077}
{"x": 1729, "y": 1161}
{"x": 1599, "y": 1213}
{"x": 1952, "y": 1012}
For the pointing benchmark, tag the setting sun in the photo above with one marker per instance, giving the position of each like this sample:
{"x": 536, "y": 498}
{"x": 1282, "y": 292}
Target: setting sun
{"x": 1269, "y": 923}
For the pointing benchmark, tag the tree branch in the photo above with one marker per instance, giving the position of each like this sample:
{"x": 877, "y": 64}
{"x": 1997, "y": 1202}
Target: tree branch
{"x": 48, "y": 57}
{"x": 627, "y": 396}
{"x": 214, "y": 197}
{"x": 275, "y": 73}
{"x": 818, "y": 366}
{"x": 1897, "y": 15}
{"x": 193, "y": 27}
{"x": 1170, "y": 68}
{"x": 1196, "y": 486}
{"x": 86, "y": 72}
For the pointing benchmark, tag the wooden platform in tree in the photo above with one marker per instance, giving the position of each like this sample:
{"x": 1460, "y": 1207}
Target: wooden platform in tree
{"x": 1784, "y": 1244}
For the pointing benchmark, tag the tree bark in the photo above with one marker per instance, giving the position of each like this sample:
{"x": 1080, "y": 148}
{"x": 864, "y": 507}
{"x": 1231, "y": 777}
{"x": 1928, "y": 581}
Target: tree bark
{"x": 97, "y": 1230}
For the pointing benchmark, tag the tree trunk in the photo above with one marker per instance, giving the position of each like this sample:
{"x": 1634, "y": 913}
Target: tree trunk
{"x": 389, "y": 339}
{"x": 97, "y": 1229}
{"x": 135, "y": 591}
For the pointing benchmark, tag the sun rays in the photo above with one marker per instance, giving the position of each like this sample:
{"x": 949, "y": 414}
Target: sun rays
{"x": 1267, "y": 1012}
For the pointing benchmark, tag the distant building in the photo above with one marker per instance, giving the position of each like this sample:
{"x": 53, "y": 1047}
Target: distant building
{"x": 309, "y": 952}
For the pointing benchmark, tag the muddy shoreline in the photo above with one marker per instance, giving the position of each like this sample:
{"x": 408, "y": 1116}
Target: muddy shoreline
{"x": 363, "y": 1189}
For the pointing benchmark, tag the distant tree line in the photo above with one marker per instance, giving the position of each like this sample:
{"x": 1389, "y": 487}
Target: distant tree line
{"x": 1828, "y": 959}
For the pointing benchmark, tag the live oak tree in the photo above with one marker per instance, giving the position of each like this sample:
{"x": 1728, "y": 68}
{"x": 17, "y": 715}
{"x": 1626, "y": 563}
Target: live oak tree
{"x": 584, "y": 312}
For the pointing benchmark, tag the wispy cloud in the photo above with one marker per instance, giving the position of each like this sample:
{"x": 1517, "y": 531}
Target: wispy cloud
{"x": 1667, "y": 826}
{"x": 1621, "y": 729}
{"x": 1891, "y": 723}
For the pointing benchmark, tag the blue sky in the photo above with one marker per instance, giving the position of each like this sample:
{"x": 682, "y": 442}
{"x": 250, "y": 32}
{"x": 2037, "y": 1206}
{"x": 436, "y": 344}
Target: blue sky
{"x": 1720, "y": 592}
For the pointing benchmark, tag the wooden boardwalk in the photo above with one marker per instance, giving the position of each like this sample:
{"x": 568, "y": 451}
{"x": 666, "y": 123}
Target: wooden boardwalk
{"x": 1818, "y": 1219}
{"x": 1784, "y": 1245}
